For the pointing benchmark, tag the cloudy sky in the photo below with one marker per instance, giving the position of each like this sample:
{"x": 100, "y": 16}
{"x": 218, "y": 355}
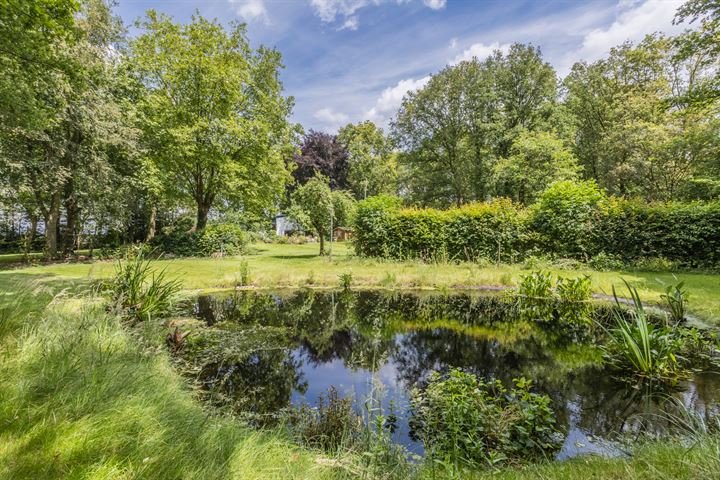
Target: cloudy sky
{"x": 351, "y": 60}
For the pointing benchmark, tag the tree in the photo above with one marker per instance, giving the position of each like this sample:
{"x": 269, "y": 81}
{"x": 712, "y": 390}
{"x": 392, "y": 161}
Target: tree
{"x": 372, "y": 163}
{"x": 454, "y": 130}
{"x": 213, "y": 117}
{"x": 318, "y": 207}
{"x": 67, "y": 161}
{"x": 324, "y": 154}
{"x": 537, "y": 159}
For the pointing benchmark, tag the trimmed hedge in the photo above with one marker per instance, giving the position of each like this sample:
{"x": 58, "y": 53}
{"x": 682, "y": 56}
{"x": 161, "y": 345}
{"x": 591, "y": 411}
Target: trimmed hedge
{"x": 568, "y": 221}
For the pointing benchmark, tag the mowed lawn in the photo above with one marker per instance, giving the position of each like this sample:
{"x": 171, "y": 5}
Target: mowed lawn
{"x": 294, "y": 266}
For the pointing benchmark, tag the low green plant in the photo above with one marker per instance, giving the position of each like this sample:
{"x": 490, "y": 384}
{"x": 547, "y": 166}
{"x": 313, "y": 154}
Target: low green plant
{"x": 639, "y": 346}
{"x": 573, "y": 305}
{"x": 310, "y": 280}
{"x": 605, "y": 261}
{"x": 675, "y": 297}
{"x": 464, "y": 421}
{"x": 222, "y": 239}
{"x": 332, "y": 424}
{"x": 139, "y": 291}
{"x": 535, "y": 297}
{"x": 346, "y": 280}
{"x": 244, "y": 274}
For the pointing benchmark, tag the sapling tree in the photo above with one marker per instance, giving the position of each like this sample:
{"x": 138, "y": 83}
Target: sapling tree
{"x": 319, "y": 208}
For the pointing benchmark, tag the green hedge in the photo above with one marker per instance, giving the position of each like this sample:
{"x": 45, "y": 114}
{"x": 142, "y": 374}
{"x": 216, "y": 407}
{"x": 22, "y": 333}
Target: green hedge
{"x": 570, "y": 220}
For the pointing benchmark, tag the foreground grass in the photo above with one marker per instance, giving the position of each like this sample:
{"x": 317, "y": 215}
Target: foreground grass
{"x": 81, "y": 397}
{"x": 295, "y": 266}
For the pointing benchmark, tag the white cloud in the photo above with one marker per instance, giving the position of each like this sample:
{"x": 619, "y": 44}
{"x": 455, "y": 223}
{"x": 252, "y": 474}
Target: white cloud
{"x": 479, "y": 51}
{"x": 351, "y": 23}
{"x": 330, "y": 10}
{"x": 435, "y": 4}
{"x": 251, "y": 10}
{"x": 331, "y": 119}
{"x": 391, "y": 98}
{"x": 453, "y": 43}
{"x": 634, "y": 20}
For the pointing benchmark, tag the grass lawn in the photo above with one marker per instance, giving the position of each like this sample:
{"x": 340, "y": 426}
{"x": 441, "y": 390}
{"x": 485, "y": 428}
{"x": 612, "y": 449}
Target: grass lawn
{"x": 272, "y": 265}
{"x": 83, "y": 395}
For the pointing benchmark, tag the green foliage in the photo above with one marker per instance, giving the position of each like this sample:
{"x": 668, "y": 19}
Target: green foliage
{"x": 331, "y": 425}
{"x": 537, "y": 159}
{"x": 483, "y": 230}
{"x": 464, "y": 421}
{"x": 346, "y": 280}
{"x": 675, "y": 297}
{"x": 573, "y": 304}
{"x": 222, "y": 239}
{"x": 567, "y": 301}
{"x": 639, "y": 346}
{"x": 318, "y": 207}
{"x": 372, "y": 164}
{"x": 141, "y": 292}
{"x": 565, "y": 216}
{"x": 535, "y": 297}
{"x": 571, "y": 220}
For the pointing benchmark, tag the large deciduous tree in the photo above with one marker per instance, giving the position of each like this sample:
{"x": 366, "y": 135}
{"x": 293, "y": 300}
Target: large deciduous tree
{"x": 322, "y": 153}
{"x": 372, "y": 162}
{"x": 214, "y": 119}
{"x": 454, "y": 130}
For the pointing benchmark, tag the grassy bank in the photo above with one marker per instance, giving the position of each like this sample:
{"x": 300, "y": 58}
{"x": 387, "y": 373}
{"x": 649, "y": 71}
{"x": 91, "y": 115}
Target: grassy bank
{"x": 83, "y": 397}
{"x": 272, "y": 265}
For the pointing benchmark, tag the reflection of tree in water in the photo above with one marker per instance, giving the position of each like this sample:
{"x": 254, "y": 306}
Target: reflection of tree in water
{"x": 262, "y": 383}
{"x": 361, "y": 330}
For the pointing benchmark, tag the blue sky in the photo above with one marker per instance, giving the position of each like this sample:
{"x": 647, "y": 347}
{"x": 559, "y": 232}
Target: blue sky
{"x": 351, "y": 60}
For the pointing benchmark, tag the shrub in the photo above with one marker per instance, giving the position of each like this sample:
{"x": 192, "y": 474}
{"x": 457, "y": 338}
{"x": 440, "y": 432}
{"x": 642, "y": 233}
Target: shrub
{"x": 467, "y": 422}
{"x": 535, "y": 297}
{"x": 605, "y": 261}
{"x": 574, "y": 296}
{"x": 564, "y": 217}
{"x": 570, "y": 220}
{"x": 222, "y": 239}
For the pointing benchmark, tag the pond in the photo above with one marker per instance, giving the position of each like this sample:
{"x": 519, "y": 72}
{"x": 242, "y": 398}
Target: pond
{"x": 262, "y": 352}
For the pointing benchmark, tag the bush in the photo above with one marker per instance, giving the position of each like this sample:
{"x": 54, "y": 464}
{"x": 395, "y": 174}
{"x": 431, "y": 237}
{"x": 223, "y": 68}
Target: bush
{"x": 222, "y": 239}
{"x": 472, "y": 232}
{"x": 468, "y": 422}
{"x": 570, "y": 220}
{"x": 564, "y": 217}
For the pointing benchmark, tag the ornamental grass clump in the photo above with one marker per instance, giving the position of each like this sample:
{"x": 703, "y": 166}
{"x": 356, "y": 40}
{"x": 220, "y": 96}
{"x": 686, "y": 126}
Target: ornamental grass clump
{"x": 139, "y": 291}
{"x": 464, "y": 421}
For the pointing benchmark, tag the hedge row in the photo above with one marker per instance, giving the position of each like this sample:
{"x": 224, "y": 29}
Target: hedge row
{"x": 571, "y": 220}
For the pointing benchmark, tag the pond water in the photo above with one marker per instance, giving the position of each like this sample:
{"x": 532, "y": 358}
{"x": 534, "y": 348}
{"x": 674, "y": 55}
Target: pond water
{"x": 269, "y": 351}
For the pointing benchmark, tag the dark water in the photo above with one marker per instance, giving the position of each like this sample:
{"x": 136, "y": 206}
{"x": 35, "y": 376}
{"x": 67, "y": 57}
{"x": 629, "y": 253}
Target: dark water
{"x": 273, "y": 350}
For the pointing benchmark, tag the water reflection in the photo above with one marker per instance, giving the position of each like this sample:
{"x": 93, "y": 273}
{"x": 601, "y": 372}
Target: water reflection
{"x": 385, "y": 344}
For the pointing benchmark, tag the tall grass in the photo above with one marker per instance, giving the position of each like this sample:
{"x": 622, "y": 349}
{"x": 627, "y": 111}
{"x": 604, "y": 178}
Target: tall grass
{"x": 80, "y": 398}
{"x": 140, "y": 291}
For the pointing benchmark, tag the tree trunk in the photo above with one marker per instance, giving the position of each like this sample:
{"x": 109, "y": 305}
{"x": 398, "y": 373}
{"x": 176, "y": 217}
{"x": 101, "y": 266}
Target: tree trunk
{"x": 51, "y": 226}
{"x": 151, "y": 224}
{"x": 322, "y": 242}
{"x": 30, "y": 235}
{"x": 72, "y": 214}
{"x": 202, "y": 214}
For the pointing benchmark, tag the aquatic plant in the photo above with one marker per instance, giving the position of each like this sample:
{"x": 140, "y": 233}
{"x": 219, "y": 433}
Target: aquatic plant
{"x": 638, "y": 345}
{"x": 464, "y": 421}
{"x": 573, "y": 304}
{"x": 675, "y": 297}
{"x": 535, "y": 297}
{"x": 332, "y": 424}
{"x": 139, "y": 291}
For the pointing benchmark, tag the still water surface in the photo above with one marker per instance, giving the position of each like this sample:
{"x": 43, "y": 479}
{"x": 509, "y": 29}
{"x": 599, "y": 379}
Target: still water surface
{"x": 380, "y": 345}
